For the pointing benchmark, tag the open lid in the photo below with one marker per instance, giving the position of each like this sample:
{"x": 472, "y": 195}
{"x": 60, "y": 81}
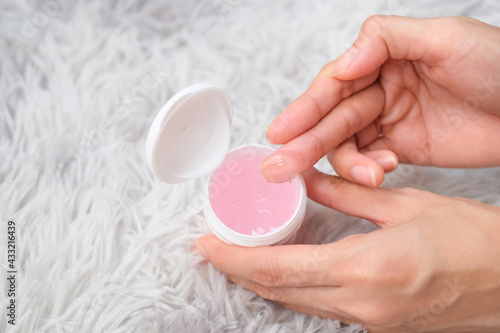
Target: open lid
{"x": 190, "y": 135}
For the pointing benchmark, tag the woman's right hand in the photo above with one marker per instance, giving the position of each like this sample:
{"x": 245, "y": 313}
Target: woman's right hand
{"x": 421, "y": 91}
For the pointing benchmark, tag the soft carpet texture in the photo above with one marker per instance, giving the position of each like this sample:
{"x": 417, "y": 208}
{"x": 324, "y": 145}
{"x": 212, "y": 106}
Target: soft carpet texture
{"x": 102, "y": 245}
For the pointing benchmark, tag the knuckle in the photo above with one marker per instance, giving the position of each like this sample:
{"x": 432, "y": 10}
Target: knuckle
{"x": 268, "y": 272}
{"x": 385, "y": 270}
{"x": 313, "y": 105}
{"x": 327, "y": 68}
{"x": 353, "y": 238}
{"x": 409, "y": 278}
{"x": 352, "y": 119}
{"x": 417, "y": 197}
{"x": 408, "y": 191}
{"x": 461, "y": 20}
{"x": 316, "y": 145}
{"x": 372, "y": 25}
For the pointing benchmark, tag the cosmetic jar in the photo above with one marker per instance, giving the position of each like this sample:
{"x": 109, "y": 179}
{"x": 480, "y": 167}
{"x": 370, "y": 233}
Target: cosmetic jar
{"x": 190, "y": 138}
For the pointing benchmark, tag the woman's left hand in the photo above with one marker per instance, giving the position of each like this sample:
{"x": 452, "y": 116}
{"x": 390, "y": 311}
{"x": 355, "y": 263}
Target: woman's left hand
{"x": 434, "y": 265}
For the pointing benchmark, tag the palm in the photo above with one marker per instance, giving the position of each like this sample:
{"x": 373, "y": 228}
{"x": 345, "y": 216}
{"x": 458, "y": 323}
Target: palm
{"x": 431, "y": 121}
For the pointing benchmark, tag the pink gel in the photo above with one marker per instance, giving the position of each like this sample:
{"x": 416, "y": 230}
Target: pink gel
{"x": 242, "y": 198}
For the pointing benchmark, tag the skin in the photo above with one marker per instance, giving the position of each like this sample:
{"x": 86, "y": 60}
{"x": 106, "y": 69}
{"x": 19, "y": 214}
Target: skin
{"x": 420, "y": 91}
{"x": 429, "y": 86}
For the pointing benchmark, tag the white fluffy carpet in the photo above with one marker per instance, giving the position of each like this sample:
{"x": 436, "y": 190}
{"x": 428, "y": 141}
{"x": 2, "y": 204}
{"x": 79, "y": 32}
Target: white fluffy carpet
{"x": 102, "y": 245}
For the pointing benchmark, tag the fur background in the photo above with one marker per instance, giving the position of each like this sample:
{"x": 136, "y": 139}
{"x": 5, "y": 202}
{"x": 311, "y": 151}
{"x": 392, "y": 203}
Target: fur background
{"x": 103, "y": 246}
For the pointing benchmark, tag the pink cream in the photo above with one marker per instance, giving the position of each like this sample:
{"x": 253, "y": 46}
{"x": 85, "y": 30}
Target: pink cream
{"x": 244, "y": 201}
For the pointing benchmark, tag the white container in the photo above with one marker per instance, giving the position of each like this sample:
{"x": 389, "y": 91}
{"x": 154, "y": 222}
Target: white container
{"x": 189, "y": 138}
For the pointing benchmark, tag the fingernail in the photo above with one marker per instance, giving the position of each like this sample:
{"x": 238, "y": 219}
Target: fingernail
{"x": 364, "y": 175}
{"x": 199, "y": 249}
{"x": 280, "y": 167}
{"x": 343, "y": 62}
{"x": 387, "y": 162}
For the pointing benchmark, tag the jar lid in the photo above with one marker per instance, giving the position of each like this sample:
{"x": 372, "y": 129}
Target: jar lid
{"x": 190, "y": 136}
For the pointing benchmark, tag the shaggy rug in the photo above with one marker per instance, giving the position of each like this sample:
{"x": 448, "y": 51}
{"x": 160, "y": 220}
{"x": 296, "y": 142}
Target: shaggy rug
{"x": 100, "y": 244}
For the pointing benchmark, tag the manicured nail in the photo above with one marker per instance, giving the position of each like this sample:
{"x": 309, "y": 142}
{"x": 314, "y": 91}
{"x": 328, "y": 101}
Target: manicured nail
{"x": 387, "y": 162}
{"x": 343, "y": 62}
{"x": 280, "y": 167}
{"x": 199, "y": 249}
{"x": 364, "y": 175}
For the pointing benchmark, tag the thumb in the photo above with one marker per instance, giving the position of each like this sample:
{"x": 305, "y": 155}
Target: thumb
{"x": 385, "y": 36}
{"x": 381, "y": 206}
{"x": 297, "y": 265}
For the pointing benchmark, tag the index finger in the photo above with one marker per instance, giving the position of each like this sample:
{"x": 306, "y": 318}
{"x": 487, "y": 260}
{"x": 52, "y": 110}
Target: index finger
{"x": 324, "y": 93}
{"x": 348, "y": 117}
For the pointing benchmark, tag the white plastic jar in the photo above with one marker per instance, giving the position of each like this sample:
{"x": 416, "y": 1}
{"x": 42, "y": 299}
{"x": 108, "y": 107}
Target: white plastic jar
{"x": 190, "y": 138}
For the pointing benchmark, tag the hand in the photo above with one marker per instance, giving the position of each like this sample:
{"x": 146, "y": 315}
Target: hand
{"x": 424, "y": 91}
{"x": 435, "y": 265}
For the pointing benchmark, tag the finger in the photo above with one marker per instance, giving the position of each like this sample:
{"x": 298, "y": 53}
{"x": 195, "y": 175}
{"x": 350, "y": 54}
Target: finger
{"x": 382, "y": 206}
{"x": 326, "y": 301}
{"x": 346, "y": 119}
{"x": 367, "y": 135}
{"x": 382, "y": 37}
{"x": 381, "y": 147}
{"x": 324, "y": 93}
{"x": 386, "y": 158}
{"x": 354, "y": 166}
{"x": 366, "y": 140}
{"x": 273, "y": 266}
{"x": 320, "y": 298}
{"x": 367, "y": 168}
